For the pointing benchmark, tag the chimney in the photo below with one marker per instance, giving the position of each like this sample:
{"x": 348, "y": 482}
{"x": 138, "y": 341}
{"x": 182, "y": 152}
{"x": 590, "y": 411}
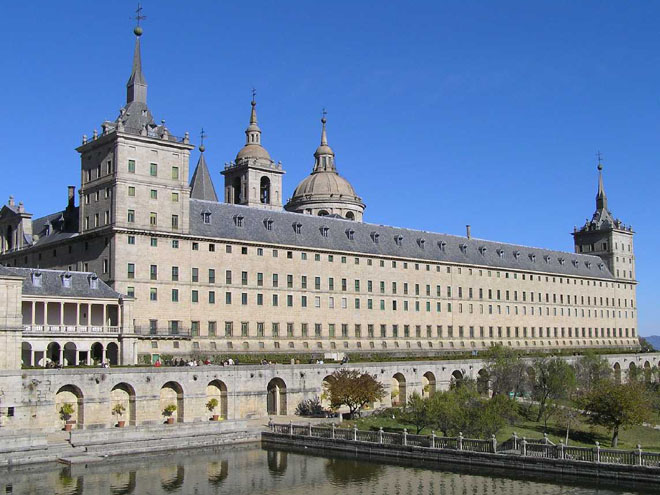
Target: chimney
{"x": 71, "y": 196}
{"x": 468, "y": 232}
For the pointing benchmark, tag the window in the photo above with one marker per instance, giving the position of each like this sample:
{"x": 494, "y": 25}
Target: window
{"x": 131, "y": 239}
{"x": 175, "y": 173}
{"x": 228, "y": 277}
{"x": 175, "y": 221}
{"x": 275, "y": 280}
{"x": 227, "y": 297}
{"x": 153, "y": 219}
{"x": 153, "y": 294}
{"x": 175, "y": 273}
{"x": 153, "y": 272}
{"x": 153, "y": 194}
{"x": 153, "y": 242}
{"x": 153, "y": 169}
{"x": 175, "y": 295}
{"x": 131, "y": 216}
{"x": 131, "y": 191}
{"x": 244, "y": 278}
{"x": 211, "y": 276}
{"x": 229, "y": 328}
{"x": 194, "y": 328}
{"x": 130, "y": 291}
{"x": 131, "y": 270}
{"x": 211, "y": 297}
{"x": 131, "y": 166}
{"x": 212, "y": 328}
{"x": 195, "y": 274}
{"x": 175, "y": 244}
{"x": 175, "y": 197}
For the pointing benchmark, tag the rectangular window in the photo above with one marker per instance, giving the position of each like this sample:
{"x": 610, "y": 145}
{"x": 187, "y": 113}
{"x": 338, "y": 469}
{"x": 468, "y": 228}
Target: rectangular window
{"x": 211, "y": 275}
{"x": 195, "y": 274}
{"x": 130, "y": 291}
{"x": 131, "y": 216}
{"x": 131, "y": 166}
{"x": 175, "y": 222}
{"x": 131, "y": 270}
{"x": 194, "y": 328}
{"x": 175, "y": 273}
{"x": 229, "y": 329}
{"x": 275, "y": 280}
{"x": 175, "y": 244}
{"x": 244, "y": 278}
{"x": 175, "y": 295}
{"x": 244, "y": 298}
{"x": 260, "y": 279}
{"x": 153, "y": 219}
{"x": 228, "y": 277}
{"x": 194, "y": 296}
{"x": 153, "y": 242}
{"x": 153, "y": 194}
{"x": 131, "y": 191}
{"x": 175, "y": 197}
{"x": 227, "y": 297}
{"x": 153, "y": 169}
{"x": 175, "y": 173}
{"x": 153, "y": 294}
{"x": 212, "y": 328}
{"x": 131, "y": 239}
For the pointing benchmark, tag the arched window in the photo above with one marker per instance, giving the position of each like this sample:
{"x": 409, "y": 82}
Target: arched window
{"x": 265, "y": 191}
{"x": 236, "y": 190}
{"x": 350, "y": 215}
{"x": 10, "y": 238}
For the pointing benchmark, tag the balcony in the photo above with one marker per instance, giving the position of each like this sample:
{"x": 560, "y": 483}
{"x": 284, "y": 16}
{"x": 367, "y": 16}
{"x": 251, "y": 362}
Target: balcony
{"x": 167, "y": 332}
{"x": 70, "y": 329}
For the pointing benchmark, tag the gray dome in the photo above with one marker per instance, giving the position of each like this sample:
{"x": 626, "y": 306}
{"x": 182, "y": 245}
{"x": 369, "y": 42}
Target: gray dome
{"x": 325, "y": 184}
{"x": 253, "y": 151}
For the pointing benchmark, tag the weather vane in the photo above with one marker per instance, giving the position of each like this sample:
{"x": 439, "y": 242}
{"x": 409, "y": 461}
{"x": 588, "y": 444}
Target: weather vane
{"x": 600, "y": 160}
{"x": 202, "y": 135}
{"x": 323, "y": 113}
{"x": 138, "y": 14}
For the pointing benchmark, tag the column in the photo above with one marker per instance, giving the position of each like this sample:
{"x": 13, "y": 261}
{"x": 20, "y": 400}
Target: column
{"x": 33, "y": 304}
{"x": 45, "y": 314}
{"x": 32, "y": 363}
{"x": 61, "y": 316}
{"x": 120, "y": 317}
{"x": 105, "y": 313}
{"x": 76, "y": 355}
{"x": 61, "y": 360}
{"x": 77, "y": 316}
{"x": 89, "y": 357}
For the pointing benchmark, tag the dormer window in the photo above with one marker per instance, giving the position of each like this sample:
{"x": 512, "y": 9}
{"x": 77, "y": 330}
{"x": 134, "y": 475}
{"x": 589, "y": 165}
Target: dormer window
{"x": 601, "y": 266}
{"x": 532, "y": 257}
{"x": 587, "y": 264}
{"x": 268, "y": 223}
{"x": 546, "y": 258}
{"x": 442, "y": 245}
{"x": 324, "y": 231}
{"x": 463, "y": 248}
{"x": 561, "y": 261}
{"x": 47, "y": 229}
{"x": 350, "y": 233}
{"x": 420, "y": 242}
{"x": 576, "y": 263}
{"x": 93, "y": 281}
{"x": 238, "y": 220}
{"x": 375, "y": 236}
{"x": 206, "y": 217}
{"x": 66, "y": 280}
{"x": 297, "y": 227}
{"x": 516, "y": 254}
{"x": 500, "y": 253}
{"x": 398, "y": 240}
{"x": 482, "y": 250}
{"x": 36, "y": 279}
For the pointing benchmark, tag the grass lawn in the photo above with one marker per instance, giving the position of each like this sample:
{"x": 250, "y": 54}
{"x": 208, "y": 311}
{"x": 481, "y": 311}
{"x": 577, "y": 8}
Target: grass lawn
{"x": 582, "y": 433}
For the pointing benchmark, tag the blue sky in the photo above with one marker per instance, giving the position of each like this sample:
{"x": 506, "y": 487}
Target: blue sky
{"x": 441, "y": 113}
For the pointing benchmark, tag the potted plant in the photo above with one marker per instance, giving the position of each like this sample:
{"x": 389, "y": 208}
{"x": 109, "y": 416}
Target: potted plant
{"x": 211, "y": 405}
{"x": 66, "y": 411}
{"x": 118, "y": 411}
{"x": 168, "y": 411}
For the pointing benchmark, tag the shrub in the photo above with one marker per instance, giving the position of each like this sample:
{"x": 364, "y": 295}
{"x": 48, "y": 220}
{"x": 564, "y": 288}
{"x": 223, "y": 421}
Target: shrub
{"x": 310, "y": 407}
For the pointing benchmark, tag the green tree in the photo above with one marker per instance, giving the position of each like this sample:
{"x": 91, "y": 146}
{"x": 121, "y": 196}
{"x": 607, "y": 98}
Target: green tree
{"x": 353, "y": 389}
{"x": 567, "y": 417}
{"x": 554, "y": 379}
{"x": 617, "y": 406}
{"x": 645, "y": 345}
{"x": 590, "y": 369}
{"x": 417, "y": 412}
{"x": 506, "y": 370}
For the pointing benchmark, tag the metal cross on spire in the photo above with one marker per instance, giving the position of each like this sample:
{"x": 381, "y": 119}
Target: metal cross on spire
{"x": 254, "y": 93}
{"x": 600, "y": 160}
{"x": 202, "y": 135}
{"x": 138, "y": 14}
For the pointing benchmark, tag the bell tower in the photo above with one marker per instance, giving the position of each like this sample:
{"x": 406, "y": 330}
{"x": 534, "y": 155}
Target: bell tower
{"x": 254, "y": 179}
{"x": 607, "y": 237}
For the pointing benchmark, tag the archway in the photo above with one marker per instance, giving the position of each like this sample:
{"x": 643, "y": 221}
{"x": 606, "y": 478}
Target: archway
{"x": 456, "y": 378}
{"x": 26, "y": 354}
{"x": 218, "y": 390}
{"x": 276, "y": 397}
{"x": 236, "y": 191}
{"x": 264, "y": 190}
{"x": 325, "y": 394}
{"x": 398, "y": 394}
{"x": 53, "y": 353}
{"x": 70, "y": 394}
{"x": 633, "y": 372}
{"x": 617, "y": 372}
{"x": 483, "y": 382}
{"x": 172, "y": 394}
{"x": 112, "y": 353}
{"x": 323, "y": 213}
{"x": 350, "y": 215}
{"x": 97, "y": 353}
{"x": 124, "y": 394}
{"x": 648, "y": 372}
{"x": 70, "y": 354}
{"x": 428, "y": 384}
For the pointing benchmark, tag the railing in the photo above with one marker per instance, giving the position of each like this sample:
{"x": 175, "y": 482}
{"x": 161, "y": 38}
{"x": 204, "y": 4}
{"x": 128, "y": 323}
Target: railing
{"x": 543, "y": 447}
{"x": 163, "y": 332}
{"x": 85, "y": 329}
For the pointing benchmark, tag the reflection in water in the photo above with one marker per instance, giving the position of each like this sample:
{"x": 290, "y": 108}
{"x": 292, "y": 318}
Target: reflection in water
{"x": 249, "y": 470}
{"x": 217, "y": 472}
{"x": 344, "y": 472}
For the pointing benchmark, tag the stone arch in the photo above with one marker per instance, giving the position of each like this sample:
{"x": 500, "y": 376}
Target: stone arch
{"x": 112, "y": 353}
{"x": 398, "y": 393}
{"x": 172, "y": 393}
{"x": 264, "y": 190}
{"x": 70, "y": 354}
{"x": 325, "y": 396}
{"x": 617, "y": 372}
{"x": 217, "y": 389}
{"x": 96, "y": 352}
{"x": 350, "y": 215}
{"x": 428, "y": 384}
{"x": 323, "y": 213}
{"x": 124, "y": 394}
{"x": 648, "y": 372}
{"x": 456, "y": 378}
{"x": 483, "y": 382}
{"x": 71, "y": 394}
{"x": 26, "y": 354}
{"x": 53, "y": 353}
{"x": 633, "y": 371}
{"x": 276, "y": 397}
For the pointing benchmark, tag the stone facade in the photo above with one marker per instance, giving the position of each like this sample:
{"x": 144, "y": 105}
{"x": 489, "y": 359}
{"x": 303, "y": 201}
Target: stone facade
{"x": 246, "y": 276}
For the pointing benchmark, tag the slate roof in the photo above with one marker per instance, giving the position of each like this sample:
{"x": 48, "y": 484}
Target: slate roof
{"x": 346, "y": 235}
{"x": 201, "y": 185}
{"x": 56, "y": 221}
{"x": 51, "y": 283}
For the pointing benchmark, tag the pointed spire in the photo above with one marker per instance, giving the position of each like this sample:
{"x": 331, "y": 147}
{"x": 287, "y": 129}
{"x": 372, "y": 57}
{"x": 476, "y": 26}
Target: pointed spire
{"x": 136, "y": 88}
{"x": 201, "y": 184}
{"x": 253, "y": 132}
{"x": 324, "y": 156}
{"x": 601, "y": 198}
{"x": 324, "y": 137}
